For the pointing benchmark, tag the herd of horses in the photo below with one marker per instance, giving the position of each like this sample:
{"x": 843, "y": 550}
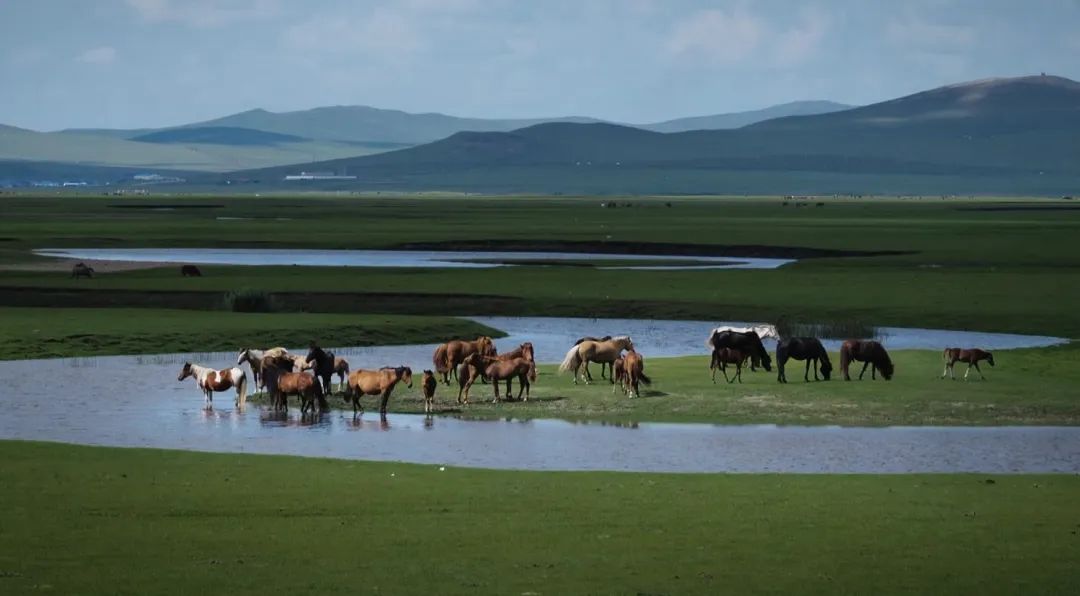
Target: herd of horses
{"x": 282, "y": 374}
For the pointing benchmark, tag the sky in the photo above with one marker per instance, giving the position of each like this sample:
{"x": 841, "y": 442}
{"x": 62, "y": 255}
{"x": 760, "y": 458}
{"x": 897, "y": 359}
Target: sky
{"x": 150, "y": 63}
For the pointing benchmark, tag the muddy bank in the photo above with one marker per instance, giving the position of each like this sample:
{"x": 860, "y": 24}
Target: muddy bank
{"x": 646, "y": 248}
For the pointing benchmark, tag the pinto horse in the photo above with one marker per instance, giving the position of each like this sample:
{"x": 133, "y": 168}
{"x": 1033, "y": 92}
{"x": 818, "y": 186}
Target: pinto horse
{"x": 721, "y": 357}
{"x": 210, "y": 380}
{"x": 633, "y": 373}
{"x": 868, "y": 352}
{"x": 281, "y": 383}
{"x": 449, "y": 355}
{"x": 376, "y": 382}
{"x": 971, "y": 356}
{"x": 764, "y": 331}
{"x": 603, "y": 365}
{"x": 594, "y": 351}
{"x": 521, "y": 369}
{"x": 802, "y": 348}
{"x": 748, "y": 343}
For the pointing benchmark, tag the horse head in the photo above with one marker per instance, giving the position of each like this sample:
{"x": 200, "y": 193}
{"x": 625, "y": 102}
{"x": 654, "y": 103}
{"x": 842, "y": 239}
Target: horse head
{"x": 485, "y": 346}
{"x": 623, "y": 341}
{"x": 826, "y": 369}
{"x": 185, "y": 372}
{"x": 243, "y": 356}
{"x": 990, "y": 358}
{"x": 404, "y": 373}
{"x": 527, "y": 351}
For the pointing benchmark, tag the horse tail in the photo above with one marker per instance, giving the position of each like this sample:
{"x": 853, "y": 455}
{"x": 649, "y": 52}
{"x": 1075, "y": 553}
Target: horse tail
{"x": 440, "y": 359}
{"x": 644, "y": 378}
{"x": 945, "y": 354}
{"x": 845, "y": 358}
{"x": 709, "y": 342}
{"x": 572, "y": 360}
{"x": 241, "y": 390}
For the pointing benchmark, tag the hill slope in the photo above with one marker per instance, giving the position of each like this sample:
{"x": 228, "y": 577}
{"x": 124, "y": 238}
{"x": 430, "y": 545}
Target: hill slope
{"x": 741, "y": 119}
{"x": 217, "y": 135}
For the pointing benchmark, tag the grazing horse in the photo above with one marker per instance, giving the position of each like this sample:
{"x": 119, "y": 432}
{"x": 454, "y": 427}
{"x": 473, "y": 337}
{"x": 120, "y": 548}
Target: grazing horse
{"x": 449, "y": 355}
{"x": 210, "y": 380}
{"x": 603, "y": 365}
{"x": 633, "y": 373}
{"x": 721, "y": 357}
{"x": 376, "y": 382}
{"x": 82, "y": 270}
{"x": 428, "y": 385}
{"x": 322, "y": 365}
{"x": 507, "y": 370}
{"x": 971, "y": 356}
{"x": 190, "y": 271}
{"x": 281, "y": 383}
{"x": 868, "y": 352}
{"x": 749, "y": 343}
{"x": 341, "y": 369}
{"x": 802, "y": 348}
{"x": 594, "y": 351}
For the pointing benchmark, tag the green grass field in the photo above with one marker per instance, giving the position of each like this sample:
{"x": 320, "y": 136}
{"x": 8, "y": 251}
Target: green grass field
{"x": 125, "y": 521}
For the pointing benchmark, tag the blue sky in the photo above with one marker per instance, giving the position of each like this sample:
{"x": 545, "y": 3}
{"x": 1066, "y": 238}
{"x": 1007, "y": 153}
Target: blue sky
{"x": 131, "y": 63}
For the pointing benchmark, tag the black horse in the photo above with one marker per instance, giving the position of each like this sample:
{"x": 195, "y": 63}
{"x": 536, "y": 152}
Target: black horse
{"x": 802, "y": 348}
{"x": 747, "y": 343}
{"x": 322, "y": 365}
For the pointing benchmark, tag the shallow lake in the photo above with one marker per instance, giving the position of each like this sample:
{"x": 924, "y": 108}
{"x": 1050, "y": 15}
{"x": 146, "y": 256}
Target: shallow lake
{"x": 398, "y": 258}
{"x": 135, "y": 401}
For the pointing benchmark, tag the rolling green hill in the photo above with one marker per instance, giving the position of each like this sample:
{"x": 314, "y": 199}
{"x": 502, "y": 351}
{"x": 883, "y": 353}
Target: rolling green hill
{"x": 217, "y": 135}
{"x": 741, "y": 119}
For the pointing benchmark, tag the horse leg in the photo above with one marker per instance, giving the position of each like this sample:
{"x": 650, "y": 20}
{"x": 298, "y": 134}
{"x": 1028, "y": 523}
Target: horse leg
{"x": 495, "y": 385}
{"x": 723, "y": 369}
{"x": 967, "y": 372}
{"x": 384, "y": 398}
{"x": 588, "y": 375}
{"x": 865, "y": 364}
{"x": 981, "y": 375}
{"x": 523, "y": 385}
{"x": 738, "y": 371}
{"x": 806, "y": 375}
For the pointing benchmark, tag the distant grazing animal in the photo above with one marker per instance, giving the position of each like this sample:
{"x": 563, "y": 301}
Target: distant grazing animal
{"x": 281, "y": 383}
{"x": 82, "y": 270}
{"x": 190, "y": 271}
{"x": 428, "y": 385}
{"x": 507, "y": 370}
{"x": 321, "y": 363}
{"x": 971, "y": 356}
{"x": 809, "y": 349}
{"x": 603, "y": 365}
{"x": 210, "y": 380}
{"x": 376, "y": 382}
{"x": 721, "y": 357}
{"x": 449, "y": 355}
{"x": 868, "y": 352}
{"x": 594, "y": 351}
{"x": 634, "y": 373}
{"x": 746, "y": 342}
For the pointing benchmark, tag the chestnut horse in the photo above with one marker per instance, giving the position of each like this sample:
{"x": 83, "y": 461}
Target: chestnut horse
{"x": 376, "y": 382}
{"x": 633, "y": 373}
{"x": 341, "y": 369}
{"x": 428, "y": 385}
{"x": 281, "y": 383}
{"x": 970, "y": 356}
{"x": 525, "y": 351}
{"x": 594, "y": 351}
{"x": 802, "y": 348}
{"x": 210, "y": 380}
{"x": 507, "y": 370}
{"x": 722, "y": 357}
{"x": 868, "y": 352}
{"x": 449, "y": 355}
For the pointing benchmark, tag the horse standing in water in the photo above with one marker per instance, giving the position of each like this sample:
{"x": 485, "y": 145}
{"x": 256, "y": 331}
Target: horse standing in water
{"x": 281, "y": 383}
{"x": 748, "y": 343}
{"x": 341, "y": 369}
{"x": 633, "y": 373}
{"x": 970, "y": 356}
{"x": 721, "y": 357}
{"x": 210, "y": 380}
{"x": 449, "y": 355}
{"x": 428, "y": 385}
{"x": 594, "y": 351}
{"x": 322, "y": 363}
{"x": 867, "y": 352}
{"x": 376, "y": 382}
{"x": 802, "y": 348}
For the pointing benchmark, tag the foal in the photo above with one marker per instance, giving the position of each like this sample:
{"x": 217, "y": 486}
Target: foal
{"x": 427, "y": 385}
{"x": 970, "y": 356}
{"x": 721, "y": 357}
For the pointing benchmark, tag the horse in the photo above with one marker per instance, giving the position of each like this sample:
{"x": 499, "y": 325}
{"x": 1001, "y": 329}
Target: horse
{"x": 467, "y": 374}
{"x": 254, "y": 359}
{"x": 376, "y": 382}
{"x": 868, "y": 352}
{"x": 190, "y": 271}
{"x": 603, "y": 365}
{"x": 525, "y": 351}
{"x": 748, "y": 343}
{"x": 428, "y": 385}
{"x": 618, "y": 373}
{"x": 764, "y": 331}
{"x": 210, "y": 380}
{"x": 721, "y": 357}
{"x": 281, "y": 383}
{"x": 450, "y": 354}
{"x": 633, "y": 373}
{"x": 802, "y": 348}
{"x": 507, "y": 370}
{"x": 341, "y": 369}
{"x": 971, "y": 356}
{"x": 594, "y": 351}
{"x": 82, "y": 270}
{"x": 322, "y": 364}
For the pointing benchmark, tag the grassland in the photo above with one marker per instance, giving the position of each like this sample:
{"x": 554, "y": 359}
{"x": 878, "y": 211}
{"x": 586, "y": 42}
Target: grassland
{"x": 124, "y": 521}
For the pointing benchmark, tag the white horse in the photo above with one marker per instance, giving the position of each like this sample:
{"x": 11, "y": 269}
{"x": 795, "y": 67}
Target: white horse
{"x": 764, "y": 332}
{"x": 210, "y": 380}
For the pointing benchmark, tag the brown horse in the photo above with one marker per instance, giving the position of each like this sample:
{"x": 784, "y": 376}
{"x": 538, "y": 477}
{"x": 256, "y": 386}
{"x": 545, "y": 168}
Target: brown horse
{"x": 603, "y": 365}
{"x": 970, "y": 356}
{"x": 449, "y": 355}
{"x": 868, "y": 352}
{"x": 508, "y": 370}
{"x": 594, "y": 351}
{"x": 721, "y": 357}
{"x": 341, "y": 369}
{"x": 467, "y": 374}
{"x": 618, "y": 374}
{"x": 525, "y": 351}
{"x": 281, "y": 384}
{"x": 190, "y": 271}
{"x": 428, "y": 385}
{"x": 633, "y": 373}
{"x": 376, "y": 382}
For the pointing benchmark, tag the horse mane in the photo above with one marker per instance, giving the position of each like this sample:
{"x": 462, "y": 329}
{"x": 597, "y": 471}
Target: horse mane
{"x": 619, "y": 338}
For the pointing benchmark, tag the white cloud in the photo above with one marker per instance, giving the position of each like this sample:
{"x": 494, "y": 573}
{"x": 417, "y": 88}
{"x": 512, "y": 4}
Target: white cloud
{"x": 724, "y": 37}
{"x": 99, "y": 55}
{"x": 204, "y": 13}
